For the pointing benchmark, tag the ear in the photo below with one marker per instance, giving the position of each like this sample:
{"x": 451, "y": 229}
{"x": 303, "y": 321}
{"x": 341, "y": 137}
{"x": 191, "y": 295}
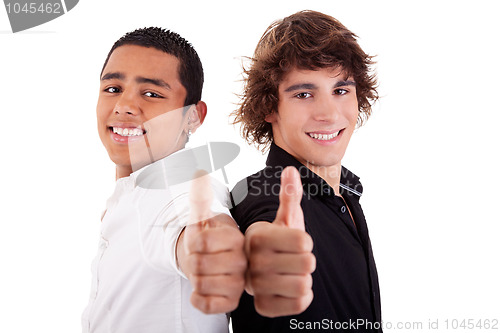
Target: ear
{"x": 197, "y": 115}
{"x": 271, "y": 118}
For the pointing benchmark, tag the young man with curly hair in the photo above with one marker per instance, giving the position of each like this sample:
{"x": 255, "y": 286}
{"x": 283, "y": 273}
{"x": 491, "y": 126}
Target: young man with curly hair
{"x": 311, "y": 264}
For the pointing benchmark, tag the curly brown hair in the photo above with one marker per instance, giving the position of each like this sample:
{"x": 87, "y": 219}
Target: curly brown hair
{"x": 305, "y": 40}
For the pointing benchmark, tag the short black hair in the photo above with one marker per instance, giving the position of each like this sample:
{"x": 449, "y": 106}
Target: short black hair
{"x": 190, "y": 68}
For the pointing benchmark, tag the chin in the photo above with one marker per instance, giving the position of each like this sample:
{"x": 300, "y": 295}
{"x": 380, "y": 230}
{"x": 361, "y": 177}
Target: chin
{"x": 322, "y": 162}
{"x": 119, "y": 160}
{"x": 322, "y": 158}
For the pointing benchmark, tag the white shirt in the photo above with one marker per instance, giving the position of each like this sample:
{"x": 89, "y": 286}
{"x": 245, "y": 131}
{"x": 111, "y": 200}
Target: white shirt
{"x": 137, "y": 286}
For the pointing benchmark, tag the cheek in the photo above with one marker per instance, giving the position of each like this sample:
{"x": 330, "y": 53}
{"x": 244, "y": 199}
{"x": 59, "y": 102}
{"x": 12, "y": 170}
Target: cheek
{"x": 101, "y": 120}
{"x": 103, "y": 110}
{"x": 166, "y": 126}
{"x": 293, "y": 116}
{"x": 352, "y": 113}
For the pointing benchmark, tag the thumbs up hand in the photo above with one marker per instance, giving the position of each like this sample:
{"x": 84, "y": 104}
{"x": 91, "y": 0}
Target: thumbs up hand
{"x": 289, "y": 212}
{"x": 210, "y": 253}
{"x": 280, "y": 255}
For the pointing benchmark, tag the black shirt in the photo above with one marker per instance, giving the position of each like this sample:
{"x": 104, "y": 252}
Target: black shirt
{"x": 345, "y": 282}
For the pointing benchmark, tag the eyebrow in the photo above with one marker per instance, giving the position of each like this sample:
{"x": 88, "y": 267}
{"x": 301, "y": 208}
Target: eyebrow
{"x": 138, "y": 79}
{"x": 111, "y": 76}
{"x": 156, "y": 82}
{"x": 312, "y": 86}
{"x": 344, "y": 83}
{"x": 300, "y": 86}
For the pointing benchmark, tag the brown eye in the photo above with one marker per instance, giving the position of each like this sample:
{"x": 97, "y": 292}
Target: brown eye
{"x": 303, "y": 95}
{"x": 152, "y": 94}
{"x": 112, "y": 90}
{"x": 340, "y": 91}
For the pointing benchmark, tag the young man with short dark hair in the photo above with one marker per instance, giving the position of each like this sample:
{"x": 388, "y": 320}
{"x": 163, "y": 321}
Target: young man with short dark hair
{"x": 308, "y": 86}
{"x": 153, "y": 272}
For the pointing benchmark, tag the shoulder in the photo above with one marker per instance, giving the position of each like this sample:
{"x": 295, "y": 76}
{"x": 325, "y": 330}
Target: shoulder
{"x": 262, "y": 185}
{"x": 256, "y": 197}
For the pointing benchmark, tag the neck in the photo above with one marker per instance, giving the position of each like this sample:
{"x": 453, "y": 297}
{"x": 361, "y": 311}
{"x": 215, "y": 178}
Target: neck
{"x": 123, "y": 171}
{"x": 331, "y": 174}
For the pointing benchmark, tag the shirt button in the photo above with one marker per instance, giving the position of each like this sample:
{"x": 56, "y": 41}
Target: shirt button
{"x": 343, "y": 209}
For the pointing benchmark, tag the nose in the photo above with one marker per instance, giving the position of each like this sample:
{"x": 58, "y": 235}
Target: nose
{"x": 326, "y": 109}
{"x": 126, "y": 104}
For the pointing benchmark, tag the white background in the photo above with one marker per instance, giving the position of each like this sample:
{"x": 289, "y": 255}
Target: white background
{"x": 428, "y": 157}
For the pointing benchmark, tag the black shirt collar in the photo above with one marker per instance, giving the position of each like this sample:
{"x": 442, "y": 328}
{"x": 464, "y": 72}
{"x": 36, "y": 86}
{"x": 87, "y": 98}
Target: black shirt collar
{"x": 349, "y": 182}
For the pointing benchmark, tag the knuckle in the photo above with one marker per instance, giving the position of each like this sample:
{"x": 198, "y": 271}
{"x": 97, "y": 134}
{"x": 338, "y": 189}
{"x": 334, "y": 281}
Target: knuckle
{"x": 262, "y": 306}
{"x": 308, "y": 263}
{"x": 304, "y": 285}
{"x": 304, "y": 241}
{"x": 260, "y": 284}
{"x": 296, "y": 305}
{"x": 206, "y": 305}
{"x": 198, "y": 301}
{"x": 241, "y": 263}
{"x": 260, "y": 263}
{"x": 240, "y": 285}
{"x": 238, "y": 238}
{"x": 210, "y": 221}
{"x": 232, "y": 303}
{"x": 259, "y": 238}
{"x": 312, "y": 263}
{"x": 256, "y": 284}
{"x": 233, "y": 285}
{"x": 299, "y": 304}
{"x": 197, "y": 264}
{"x": 309, "y": 242}
{"x": 203, "y": 241}
{"x": 256, "y": 241}
{"x": 198, "y": 284}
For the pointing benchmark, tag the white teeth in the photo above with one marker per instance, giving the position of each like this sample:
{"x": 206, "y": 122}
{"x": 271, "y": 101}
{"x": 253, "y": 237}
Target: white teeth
{"x": 127, "y": 131}
{"x": 323, "y": 136}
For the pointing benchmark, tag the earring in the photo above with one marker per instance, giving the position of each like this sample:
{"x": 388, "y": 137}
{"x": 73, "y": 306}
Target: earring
{"x": 189, "y": 133}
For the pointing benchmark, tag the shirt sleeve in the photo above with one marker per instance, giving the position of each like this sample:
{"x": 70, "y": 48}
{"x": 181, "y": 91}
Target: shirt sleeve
{"x": 255, "y": 199}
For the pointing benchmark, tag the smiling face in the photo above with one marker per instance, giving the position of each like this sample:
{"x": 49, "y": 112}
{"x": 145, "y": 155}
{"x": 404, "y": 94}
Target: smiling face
{"x": 317, "y": 114}
{"x": 140, "y": 107}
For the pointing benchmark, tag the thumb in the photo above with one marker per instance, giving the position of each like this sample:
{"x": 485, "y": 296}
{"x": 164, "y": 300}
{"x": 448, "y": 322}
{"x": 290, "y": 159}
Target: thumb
{"x": 289, "y": 212}
{"x": 200, "y": 198}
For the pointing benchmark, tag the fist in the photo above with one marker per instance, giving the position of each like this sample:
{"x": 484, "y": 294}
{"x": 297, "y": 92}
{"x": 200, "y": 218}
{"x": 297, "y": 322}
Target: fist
{"x": 211, "y": 253}
{"x": 280, "y": 255}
